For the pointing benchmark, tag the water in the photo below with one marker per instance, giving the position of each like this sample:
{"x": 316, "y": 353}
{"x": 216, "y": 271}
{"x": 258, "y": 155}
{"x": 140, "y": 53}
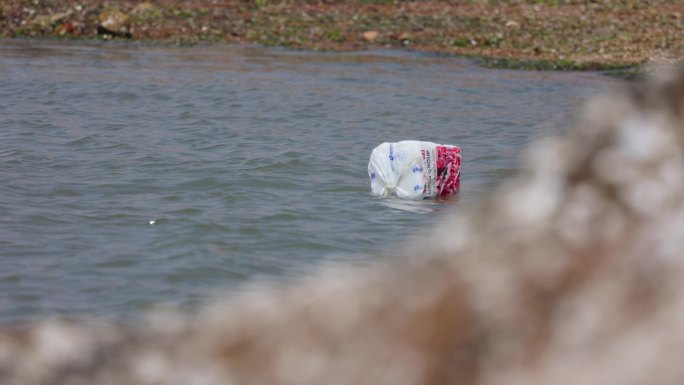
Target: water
{"x": 132, "y": 175}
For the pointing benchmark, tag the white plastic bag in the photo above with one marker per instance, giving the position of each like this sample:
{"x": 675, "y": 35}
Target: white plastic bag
{"x": 412, "y": 169}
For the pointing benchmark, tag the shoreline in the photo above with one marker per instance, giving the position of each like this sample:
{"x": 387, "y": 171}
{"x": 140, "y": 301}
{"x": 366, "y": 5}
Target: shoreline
{"x": 534, "y": 35}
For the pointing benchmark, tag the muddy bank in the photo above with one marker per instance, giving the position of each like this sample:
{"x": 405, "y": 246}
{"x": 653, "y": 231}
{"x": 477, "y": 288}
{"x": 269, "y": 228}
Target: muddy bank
{"x": 523, "y": 34}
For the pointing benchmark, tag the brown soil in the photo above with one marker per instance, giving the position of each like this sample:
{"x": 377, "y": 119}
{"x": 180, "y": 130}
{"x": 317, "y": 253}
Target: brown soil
{"x": 542, "y": 33}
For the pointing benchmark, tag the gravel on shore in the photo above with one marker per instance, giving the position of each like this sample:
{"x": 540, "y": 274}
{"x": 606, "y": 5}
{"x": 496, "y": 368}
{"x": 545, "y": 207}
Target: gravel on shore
{"x": 543, "y": 34}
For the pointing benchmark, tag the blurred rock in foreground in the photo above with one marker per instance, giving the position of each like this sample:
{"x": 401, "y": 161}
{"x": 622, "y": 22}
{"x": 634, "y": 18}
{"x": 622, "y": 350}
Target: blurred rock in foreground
{"x": 570, "y": 273}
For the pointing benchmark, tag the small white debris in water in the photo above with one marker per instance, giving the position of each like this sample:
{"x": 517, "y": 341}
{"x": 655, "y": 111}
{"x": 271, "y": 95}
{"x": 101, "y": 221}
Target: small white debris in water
{"x": 152, "y": 222}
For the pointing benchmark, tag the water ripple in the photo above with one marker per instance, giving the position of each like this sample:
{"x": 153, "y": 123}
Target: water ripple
{"x": 134, "y": 176}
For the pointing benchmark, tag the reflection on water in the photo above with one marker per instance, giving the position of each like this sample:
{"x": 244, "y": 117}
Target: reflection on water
{"x": 251, "y": 161}
{"x": 419, "y": 206}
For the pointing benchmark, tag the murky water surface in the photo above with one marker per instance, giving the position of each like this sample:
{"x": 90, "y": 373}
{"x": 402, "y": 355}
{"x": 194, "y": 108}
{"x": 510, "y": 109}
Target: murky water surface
{"x": 134, "y": 175}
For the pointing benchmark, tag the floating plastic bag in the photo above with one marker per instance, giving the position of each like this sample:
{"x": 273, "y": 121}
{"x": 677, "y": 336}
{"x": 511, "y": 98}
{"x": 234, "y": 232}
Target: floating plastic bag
{"x": 415, "y": 170}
